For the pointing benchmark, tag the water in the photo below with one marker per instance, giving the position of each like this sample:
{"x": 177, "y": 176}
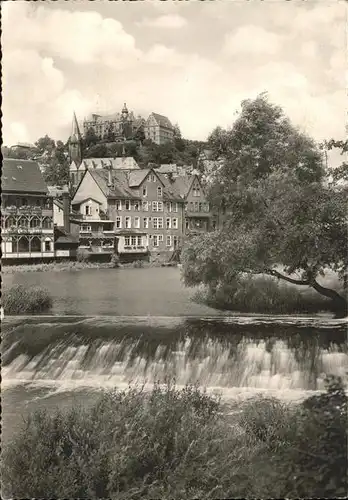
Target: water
{"x": 132, "y": 292}
{"x": 114, "y": 326}
{"x": 50, "y": 361}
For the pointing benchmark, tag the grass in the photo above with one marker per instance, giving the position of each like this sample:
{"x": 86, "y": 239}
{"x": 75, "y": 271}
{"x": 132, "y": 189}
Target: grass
{"x": 54, "y": 266}
{"x": 171, "y": 444}
{"x": 263, "y": 295}
{"x": 20, "y": 300}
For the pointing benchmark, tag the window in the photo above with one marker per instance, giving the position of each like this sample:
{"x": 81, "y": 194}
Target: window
{"x": 88, "y": 210}
{"x": 160, "y": 206}
{"x": 47, "y": 223}
{"x": 160, "y": 238}
{"x": 85, "y": 228}
{"x": 159, "y": 191}
{"x": 157, "y": 223}
{"x": 168, "y": 241}
{"x": 152, "y": 178}
{"x": 35, "y": 222}
{"x": 47, "y": 246}
{"x": 175, "y": 223}
{"x": 196, "y": 191}
{"x": 169, "y": 206}
{"x": 127, "y": 241}
{"x": 144, "y": 191}
{"x": 175, "y": 207}
{"x": 155, "y": 206}
{"x": 175, "y": 241}
{"x": 187, "y": 224}
{"x": 201, "y": 207}
{"x": 134, "y": 240}
{"x": 137, "y": 222}
{"x": 139, "y": 241}
{"x": 146, "y": 222}
{"x": 145, "y": 206}
{"x": 128, "y": 223}
{"x": 168, "y": 223}
{"x": 118, "y": 204}
{"x": 155, "y": 240}
{"x": 196, "y": 205}
{"x": 136, "y": 206}
{"x": 118, "y": 222}
{"x": 127, "y": 205}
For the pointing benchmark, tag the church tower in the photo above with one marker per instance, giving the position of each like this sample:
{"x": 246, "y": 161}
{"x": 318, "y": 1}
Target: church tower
{"x": 75, "y": 143}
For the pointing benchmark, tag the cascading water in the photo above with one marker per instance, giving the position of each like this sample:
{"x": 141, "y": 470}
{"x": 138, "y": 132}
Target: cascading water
{"x": 250, "y": 355}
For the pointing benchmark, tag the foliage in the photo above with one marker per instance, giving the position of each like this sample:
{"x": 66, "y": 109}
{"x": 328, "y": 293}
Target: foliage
{"x": 90, "y": 138}
{"x": 20, "y": 300}
{"x": 82, "y": 255}
{"x": 262, "y": 294}
{"x": 45, "y": 145}
{"x": 277, "y": 211}
{"x": 19, "y": 153}
{"x": 172, "y": 443}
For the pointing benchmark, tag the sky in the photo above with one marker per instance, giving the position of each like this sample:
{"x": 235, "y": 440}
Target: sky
{"x": 193, "y": 61}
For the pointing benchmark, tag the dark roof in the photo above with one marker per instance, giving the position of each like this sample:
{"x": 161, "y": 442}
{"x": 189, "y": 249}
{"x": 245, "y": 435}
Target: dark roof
{"x": 183, "y": 184}
{"x": 137, "y": 177}
{"x": 162, "y": 120}
{"x": 120, "y": 187}
{"x": 67, "y": 240}
{"x": 22, "y": 176}
{"x": 170, "y": 190}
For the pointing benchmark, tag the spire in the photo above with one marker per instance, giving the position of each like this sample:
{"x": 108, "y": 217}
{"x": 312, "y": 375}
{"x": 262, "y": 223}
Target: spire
{"x": 75, "y": 133}
{"x": 124, "y": 111}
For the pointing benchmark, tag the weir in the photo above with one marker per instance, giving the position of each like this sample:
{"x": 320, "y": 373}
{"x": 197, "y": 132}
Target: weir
{"x": 215, "y": 354}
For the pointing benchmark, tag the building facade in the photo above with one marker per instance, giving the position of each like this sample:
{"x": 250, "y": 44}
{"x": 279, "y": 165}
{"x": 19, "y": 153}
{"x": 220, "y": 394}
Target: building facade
{"x": 146, "y": 211}
{"x": 198, "y": 215}
{"x": 158, "y": 129}
{"x": 27, "y": 212}
{"x": 115, "y": 127}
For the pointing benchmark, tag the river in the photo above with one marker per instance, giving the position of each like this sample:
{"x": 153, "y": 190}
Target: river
{"x": 110, "y": 328}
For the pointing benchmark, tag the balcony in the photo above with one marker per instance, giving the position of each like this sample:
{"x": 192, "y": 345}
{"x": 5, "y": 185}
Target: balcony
{"x": 97, "y": 234}
{"x": 28, "y": 210}
{"x": 134, "y": 249}
{"x": 26, "y": 230}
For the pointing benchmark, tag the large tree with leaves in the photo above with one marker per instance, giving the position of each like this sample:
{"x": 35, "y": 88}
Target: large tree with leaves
{"x": 280, "y": 216}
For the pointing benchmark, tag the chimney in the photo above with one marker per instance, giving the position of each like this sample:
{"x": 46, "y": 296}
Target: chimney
{"x": 66, "y": 212}
{"x": 109, "y": 177}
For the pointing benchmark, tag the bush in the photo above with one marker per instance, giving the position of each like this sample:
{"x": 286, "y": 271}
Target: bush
{"x": 82, "y": 255}
{"x": 173, "y": 444}
{"x": 21, "y": 300}
{"x": 262, "y": 295}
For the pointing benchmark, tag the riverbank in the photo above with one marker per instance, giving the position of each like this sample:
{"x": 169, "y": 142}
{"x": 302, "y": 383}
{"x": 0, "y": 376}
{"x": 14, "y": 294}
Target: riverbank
{"x": 173, "y": 443}
{"x": 265, "y": 295}
{"x": 74, "y": 266}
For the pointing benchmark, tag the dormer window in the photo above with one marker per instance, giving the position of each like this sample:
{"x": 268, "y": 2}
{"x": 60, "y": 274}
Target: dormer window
{"x": 159, "y": 191}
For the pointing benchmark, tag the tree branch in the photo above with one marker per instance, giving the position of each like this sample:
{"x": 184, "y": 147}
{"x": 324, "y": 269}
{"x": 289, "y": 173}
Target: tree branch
{"x": 275, "y": 273}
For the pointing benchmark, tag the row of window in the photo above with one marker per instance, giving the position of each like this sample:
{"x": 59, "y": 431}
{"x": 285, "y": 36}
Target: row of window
{"x": 145, "y": 206}
{"x": 25, "y": 245}
{"x": 195, "y": 206}
{"x": 28, "y": 203}
{"x": 23, "y": 222}
{"x": 157, "y": 222}
{"x": 158, "y": 238}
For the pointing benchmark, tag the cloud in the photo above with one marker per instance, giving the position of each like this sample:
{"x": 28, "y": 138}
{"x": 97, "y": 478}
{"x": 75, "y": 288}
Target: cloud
{"x": 59, "y": 56}
{"x": 252, "y": 39}
{"x": 170, "y": 21}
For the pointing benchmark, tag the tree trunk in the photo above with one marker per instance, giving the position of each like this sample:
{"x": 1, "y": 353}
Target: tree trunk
{"x": 339, "y": 303}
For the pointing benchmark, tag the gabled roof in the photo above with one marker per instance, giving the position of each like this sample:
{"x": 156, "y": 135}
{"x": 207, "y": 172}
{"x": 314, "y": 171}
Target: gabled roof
{"x": 162, "y": 120}
{"x": 22, "y": 175}
{"x": 120, "y": 187}
{"x": 183, "y": 184}
{"x": 137, "y": 177}
{"x": 78, "y": 201}
{"x": 170, "y": 190}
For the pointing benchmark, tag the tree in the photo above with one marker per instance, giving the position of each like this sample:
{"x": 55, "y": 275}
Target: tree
{"x": 45, "y": 145}
{"x": 90, "y": 138}
{"x": 96, "y": 151}
{"x": 279, "y": 217}
{"x": 56, "y": 168}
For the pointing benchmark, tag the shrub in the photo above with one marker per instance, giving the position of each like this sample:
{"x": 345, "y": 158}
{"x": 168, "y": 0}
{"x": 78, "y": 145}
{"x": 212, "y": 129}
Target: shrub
{"x": 173, "y": 444}
{"x": 262, "y": 295}
{"x": 82, "y": 255}
{"x": 19, "y": 300}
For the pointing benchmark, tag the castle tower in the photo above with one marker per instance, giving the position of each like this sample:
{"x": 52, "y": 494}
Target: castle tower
{"x": 124, "y": 113}
{"x": 75, "y": 143}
